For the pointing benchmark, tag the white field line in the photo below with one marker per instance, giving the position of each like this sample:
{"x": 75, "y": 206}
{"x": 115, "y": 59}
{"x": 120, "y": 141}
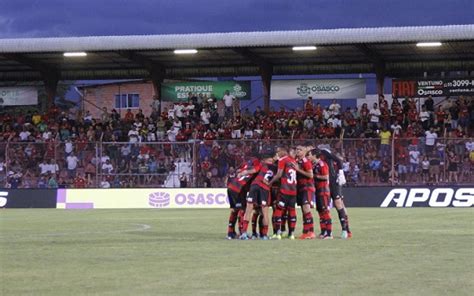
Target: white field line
{"x": 141, "y": 227}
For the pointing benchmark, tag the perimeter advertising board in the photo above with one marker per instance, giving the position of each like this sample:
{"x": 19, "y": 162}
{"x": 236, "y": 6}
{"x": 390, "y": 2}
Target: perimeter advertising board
{"x": 418, "y": 88}
{"x": 28, "y": 198}
{"x": 142, "y": 198}
{"x": 178, "y": 91}
{"x": 200, "y": 198}
{"x": 318, "y": 89}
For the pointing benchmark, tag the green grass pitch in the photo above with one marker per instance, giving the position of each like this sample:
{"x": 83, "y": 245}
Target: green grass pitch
{"x": 422, "y": 251}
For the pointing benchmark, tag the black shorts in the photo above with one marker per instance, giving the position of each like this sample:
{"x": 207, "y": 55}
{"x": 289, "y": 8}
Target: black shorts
{"x": 305, "y": 197}
{"x": 336, "y": 191}
{"x": 236, "y": 200}
{"x": 286, "y": 200}
{"x": 259, "y": 196}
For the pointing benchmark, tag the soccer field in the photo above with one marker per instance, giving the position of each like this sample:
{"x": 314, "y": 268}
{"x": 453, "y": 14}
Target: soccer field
{"x": 422, "y": 251}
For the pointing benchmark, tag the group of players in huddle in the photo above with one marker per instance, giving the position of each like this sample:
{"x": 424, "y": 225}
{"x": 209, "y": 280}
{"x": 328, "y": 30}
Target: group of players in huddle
{"x": 301, "y": 175}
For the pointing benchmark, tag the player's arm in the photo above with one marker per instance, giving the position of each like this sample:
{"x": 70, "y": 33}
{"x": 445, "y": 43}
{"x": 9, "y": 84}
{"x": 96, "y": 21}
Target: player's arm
{"x": 318, "y": 177}
{"x": 247, "y": 172}
{"x": 276, "y": 177}
{"x": 304, "y": 171}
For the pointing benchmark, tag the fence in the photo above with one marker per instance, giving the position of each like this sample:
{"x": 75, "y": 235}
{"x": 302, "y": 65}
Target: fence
{"x": 410, "y": 161}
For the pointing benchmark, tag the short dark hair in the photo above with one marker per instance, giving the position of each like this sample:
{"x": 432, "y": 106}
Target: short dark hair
{"x": 316, "y": 152}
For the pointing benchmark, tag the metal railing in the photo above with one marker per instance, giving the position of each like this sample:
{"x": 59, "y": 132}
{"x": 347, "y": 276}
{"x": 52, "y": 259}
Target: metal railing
{"x": 164, "y": 164}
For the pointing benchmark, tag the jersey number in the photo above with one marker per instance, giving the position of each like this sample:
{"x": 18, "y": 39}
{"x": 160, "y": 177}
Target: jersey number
{"x": 268, "y": 175}
{"x": 292, "y": 178}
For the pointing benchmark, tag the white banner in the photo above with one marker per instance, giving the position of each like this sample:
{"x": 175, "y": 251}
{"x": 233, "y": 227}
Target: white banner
{"x": 318, "y": 89}
{"x": 18, "y": 96}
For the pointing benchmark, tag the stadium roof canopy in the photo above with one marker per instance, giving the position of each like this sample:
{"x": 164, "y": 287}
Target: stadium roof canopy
{"x": 360, "y": 50}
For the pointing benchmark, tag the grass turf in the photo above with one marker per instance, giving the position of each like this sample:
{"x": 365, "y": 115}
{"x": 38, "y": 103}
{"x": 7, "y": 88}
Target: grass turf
{"x": 420, "y": 251}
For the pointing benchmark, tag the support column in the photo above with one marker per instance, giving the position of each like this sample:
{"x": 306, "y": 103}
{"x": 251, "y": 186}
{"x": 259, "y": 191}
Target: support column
{"x": 157, "y": 78}
{"x": 380, "y": 77}
{"x": 266, "y": 73}
{"x": 51, "y": 86}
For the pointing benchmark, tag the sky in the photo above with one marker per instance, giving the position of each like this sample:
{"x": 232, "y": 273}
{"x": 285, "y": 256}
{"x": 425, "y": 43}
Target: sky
{"x": 62, "y": 18}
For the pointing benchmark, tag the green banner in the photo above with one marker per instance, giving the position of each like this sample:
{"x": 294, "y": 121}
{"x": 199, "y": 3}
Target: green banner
{"x": 178, "y": 91}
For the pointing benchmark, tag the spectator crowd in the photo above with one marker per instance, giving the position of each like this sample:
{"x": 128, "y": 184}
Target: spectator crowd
{"x": 427, "y": 143}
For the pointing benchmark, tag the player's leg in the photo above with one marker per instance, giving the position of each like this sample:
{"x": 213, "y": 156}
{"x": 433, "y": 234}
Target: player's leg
{"x": 327, "y": 216}
{"x": 337, "y": 197}
{"x": 233, "y": 214}
{"x": 291, "y": 216}
{"x": 265, "y": 221}
{"x": 308, "y": 224}
{"x": 255, "y": 218}
{"x": 249, "y": 210}
{"x": 263, "y": 203}
{"x": 280, "y": 208}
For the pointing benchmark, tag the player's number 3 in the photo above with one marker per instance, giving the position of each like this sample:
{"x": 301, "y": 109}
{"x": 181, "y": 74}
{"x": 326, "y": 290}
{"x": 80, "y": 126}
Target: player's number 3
{"x": 292, "y": 178}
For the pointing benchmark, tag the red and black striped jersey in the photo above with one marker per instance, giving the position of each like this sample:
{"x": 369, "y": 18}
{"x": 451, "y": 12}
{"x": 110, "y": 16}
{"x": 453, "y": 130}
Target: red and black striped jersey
{"x": 288, "y": 179}
{"x": 321, "y": 168}
{"x": 303, "y": 182}
{"x": 266, "y": 172}
{"x": 243, "y": 182}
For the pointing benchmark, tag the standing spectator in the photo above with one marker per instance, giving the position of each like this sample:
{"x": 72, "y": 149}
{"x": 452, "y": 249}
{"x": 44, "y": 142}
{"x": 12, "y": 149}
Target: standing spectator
{"x": 375, "y": 166}
{"x": 72, "y": 165}
{"x": 425, "y": 170}
{"x": 183, "y": 181}
{"x": 430, "y": 140}
{"x": 207, "y": 180}
{"x": 228, "y": 104}
{"x": 385, "y": 142}
{"x": 440, "y": 116}
{"x": 434, "y": 168}
{"x": 205, "y": 117}
{"x": 374, "y": 115}
{"x": 43, "y": 167}
{"x": 334, "y": 108}
{"x": 425, "y": 118}
{"x": 155, "y": 104}
{"x": 453, "y": 161}
{"x": 396, "y": 129}
{"x": 454, "y": 114}
{"x": 414, "y": 163}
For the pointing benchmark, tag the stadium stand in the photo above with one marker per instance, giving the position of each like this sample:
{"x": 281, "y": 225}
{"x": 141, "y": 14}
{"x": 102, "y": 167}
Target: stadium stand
{"x": 400, "y": 143}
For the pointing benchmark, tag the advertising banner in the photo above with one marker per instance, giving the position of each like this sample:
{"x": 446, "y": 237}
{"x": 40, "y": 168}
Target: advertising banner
{"x": 407, "y": 197}
{"x": 418, "y": 88}
{"x": 318, "y": 89}
{"x": 178, "y": 91}
{"x": 27, "y": 198}
{"x": 214, "y": 198}
{"x": 199, "y": 198}
{"x": 18, "y": 96}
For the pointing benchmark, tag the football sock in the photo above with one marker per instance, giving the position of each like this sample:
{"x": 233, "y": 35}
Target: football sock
{"x": 308, "y": 222}
{"x": 292, "y": 220}
{"x": 342, "y": 218}
{"x": 254, "y": 222}
{"x": 328, "y": 222}
{"x": 232, "y": 220}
